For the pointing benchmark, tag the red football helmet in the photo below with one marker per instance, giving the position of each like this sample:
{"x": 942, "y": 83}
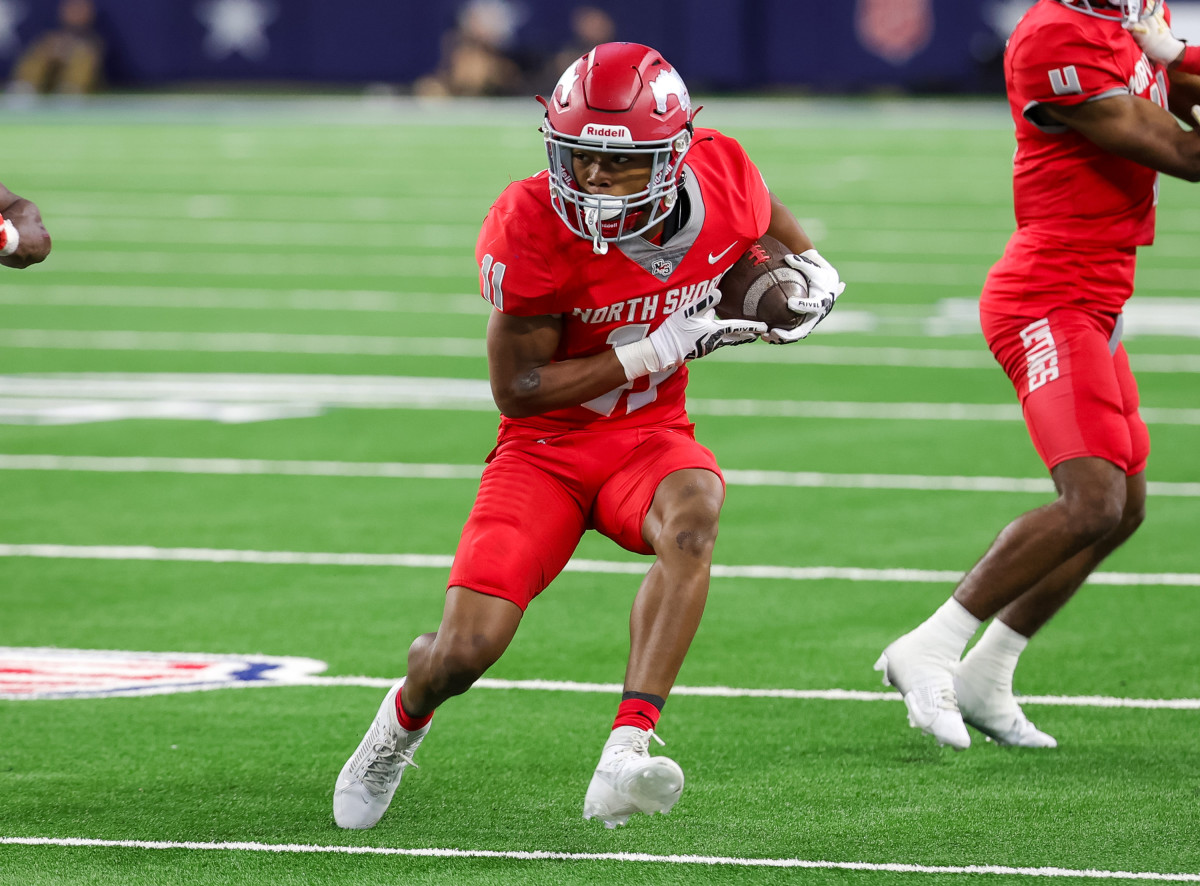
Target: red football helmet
{"x": 1131, "y": 11}
{"x": 619, "y": 98}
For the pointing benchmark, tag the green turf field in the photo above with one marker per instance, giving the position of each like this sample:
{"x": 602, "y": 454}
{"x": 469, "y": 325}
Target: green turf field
{"x": 243, "y": 407}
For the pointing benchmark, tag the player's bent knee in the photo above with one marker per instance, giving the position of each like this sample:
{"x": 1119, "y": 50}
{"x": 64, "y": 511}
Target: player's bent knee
{"x": 1132, "y": 518}
{"x": 685, "y": 516}
{"x": 692, "y": 534}
{"x": 1094, "y": 517}
{"x": 459, "y": 663}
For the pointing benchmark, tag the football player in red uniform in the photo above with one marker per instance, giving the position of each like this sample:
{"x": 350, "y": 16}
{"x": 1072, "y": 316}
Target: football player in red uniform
{"x": 23, "y": 237}
{"x": 601, "y": 273}
{"x": 1093, "y": 133}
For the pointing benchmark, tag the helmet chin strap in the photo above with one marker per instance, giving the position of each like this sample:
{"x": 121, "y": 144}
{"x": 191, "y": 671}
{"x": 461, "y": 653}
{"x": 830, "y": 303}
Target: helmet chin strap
{"x": 612, "y": 212}
{"x": 593, "y": 220}
{"x": 599, "y": 246}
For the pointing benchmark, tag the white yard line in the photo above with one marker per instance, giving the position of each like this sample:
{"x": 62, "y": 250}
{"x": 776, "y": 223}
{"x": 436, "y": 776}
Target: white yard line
{"x": 77, "y": 673}
{"x": 635, "y": 857}
{"x": 389, "y": 263}
{"x": 1090, "y": 701}
{"x": 610, "y": 567}
{"x": 424, "y": 471}
{"x": 443, "y": 346}
{"x": 231, "y": 299}
{"x": 59, "y": 398}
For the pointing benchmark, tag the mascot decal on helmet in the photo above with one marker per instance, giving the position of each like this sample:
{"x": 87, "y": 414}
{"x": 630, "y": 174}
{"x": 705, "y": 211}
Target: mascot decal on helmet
{"x": 666, "y": 84}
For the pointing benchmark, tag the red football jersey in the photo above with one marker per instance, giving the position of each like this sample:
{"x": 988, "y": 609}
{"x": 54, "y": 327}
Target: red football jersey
{"x": 1065, "y": 188}
{"x": 531, "y": 264}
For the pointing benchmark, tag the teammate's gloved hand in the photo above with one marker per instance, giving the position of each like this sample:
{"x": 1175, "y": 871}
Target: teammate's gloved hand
{"x": 691, "y": 332}
{"x": 824, "y": 287}
{"x": 9, "y": 237}
{"x": 1153, "y": 35}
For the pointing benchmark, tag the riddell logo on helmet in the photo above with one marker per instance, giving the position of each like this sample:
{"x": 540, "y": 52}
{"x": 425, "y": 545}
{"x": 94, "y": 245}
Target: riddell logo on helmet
{"x": 595, "y": 130}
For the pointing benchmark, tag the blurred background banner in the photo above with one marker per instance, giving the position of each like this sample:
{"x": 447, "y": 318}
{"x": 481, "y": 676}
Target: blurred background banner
{"x": 857, "y": 45}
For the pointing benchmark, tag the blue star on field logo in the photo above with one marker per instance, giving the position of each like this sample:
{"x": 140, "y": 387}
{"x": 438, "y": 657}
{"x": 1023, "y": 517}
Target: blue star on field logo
{"x": 237, "y": 27}
{"x": 11, "y": 15}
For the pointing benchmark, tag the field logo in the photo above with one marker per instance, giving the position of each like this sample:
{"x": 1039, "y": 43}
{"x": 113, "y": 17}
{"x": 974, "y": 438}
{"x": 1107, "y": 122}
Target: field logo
{"x": 48, "y": 672}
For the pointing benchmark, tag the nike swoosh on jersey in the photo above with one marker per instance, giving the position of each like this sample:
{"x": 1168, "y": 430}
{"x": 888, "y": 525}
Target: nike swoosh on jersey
{"x": 713, "y": 259}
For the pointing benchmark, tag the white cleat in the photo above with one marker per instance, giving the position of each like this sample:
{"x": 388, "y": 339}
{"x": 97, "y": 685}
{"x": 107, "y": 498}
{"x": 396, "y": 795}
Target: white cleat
{"x": 997, "y": 715}
{"x": 628, "y": 780}
{"x": 927, "y": 684}
{"x": 368, "y": 781}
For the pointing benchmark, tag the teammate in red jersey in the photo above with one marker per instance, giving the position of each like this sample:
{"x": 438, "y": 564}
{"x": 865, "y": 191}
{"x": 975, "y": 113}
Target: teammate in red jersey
{"x": 602, "y": 275}
{"x": 1093, "y": 133}
{"x": 23, "y": 237}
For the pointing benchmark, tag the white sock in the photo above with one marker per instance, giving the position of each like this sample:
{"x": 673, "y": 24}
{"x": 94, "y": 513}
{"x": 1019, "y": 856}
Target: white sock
{"x": 994, "y": 657}
{"x": 948, "y": 631}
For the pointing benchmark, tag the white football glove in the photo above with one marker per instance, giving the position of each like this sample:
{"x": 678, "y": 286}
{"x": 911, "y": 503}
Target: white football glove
{"x": 1153, "y": 36}
{"x": 691, "y": 332}
{"x": 824, "y": 287}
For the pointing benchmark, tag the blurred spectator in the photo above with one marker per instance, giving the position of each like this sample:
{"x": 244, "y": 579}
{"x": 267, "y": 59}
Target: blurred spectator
{"x": 66, "y": 60}
{"x": 475, "y": 54}
{"x": 590, "y": 26}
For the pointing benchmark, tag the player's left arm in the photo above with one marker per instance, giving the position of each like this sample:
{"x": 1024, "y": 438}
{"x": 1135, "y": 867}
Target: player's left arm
{"x": 25, "y": 228}
{"x": 1184, "y": 96}
{"x": 824, "y": 283}
{"x": 786, "y": 228}
{"x": 1136, "y": 129}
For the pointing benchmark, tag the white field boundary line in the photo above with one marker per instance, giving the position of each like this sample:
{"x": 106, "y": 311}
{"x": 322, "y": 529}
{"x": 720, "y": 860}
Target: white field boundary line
{"x": 597, "y": 567}
{"x": 399, "y": 346}
{"x": 635, "y": 857}
{"x": 424, "y": 471}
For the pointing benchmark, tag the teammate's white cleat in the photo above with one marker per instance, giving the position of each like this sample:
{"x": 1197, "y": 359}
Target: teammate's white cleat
{"x": 995, "y": 712}
{"x": 927, "y": 683}
{"x": 628, "y": 780}
{"x": 369, "y": 779}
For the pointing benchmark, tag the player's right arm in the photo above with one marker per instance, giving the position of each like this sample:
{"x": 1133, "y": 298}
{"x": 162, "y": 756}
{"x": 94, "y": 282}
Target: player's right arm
{"x": 525, "y": 379}
{"x": 33, "y": 241}
{"x": 1136, "y": 129}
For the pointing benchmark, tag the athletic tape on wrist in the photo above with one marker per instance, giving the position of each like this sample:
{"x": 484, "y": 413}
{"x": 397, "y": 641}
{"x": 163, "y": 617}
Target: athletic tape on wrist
{"x": 639, "y": 358}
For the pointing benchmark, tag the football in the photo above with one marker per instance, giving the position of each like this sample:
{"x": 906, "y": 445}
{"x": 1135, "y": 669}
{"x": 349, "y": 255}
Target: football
{"x": 758, "y": 285}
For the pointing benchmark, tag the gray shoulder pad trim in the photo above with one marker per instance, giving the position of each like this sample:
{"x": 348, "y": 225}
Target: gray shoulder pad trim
{"x": 647, "y": 254}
